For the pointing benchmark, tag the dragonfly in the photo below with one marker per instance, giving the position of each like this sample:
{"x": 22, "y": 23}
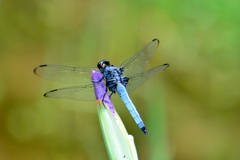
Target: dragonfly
{"x": 123, "y": 80}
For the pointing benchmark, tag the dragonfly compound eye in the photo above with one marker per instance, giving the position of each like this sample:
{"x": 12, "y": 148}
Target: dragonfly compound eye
{"x": 102, "y": 64}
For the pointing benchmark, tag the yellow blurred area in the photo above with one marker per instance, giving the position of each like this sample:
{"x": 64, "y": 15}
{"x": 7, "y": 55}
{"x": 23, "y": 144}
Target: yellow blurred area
{"x": 191, "y": 110}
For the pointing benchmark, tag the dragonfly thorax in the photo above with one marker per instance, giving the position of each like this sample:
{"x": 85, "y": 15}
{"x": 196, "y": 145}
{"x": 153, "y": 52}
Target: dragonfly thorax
{"x": 113, "y": 76}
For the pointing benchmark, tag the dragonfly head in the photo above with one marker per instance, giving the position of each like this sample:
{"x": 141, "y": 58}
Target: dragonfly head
{"x": 102, "y": 65}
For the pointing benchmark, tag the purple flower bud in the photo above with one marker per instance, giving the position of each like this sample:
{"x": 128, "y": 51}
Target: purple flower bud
{"x": 100, "y": 89}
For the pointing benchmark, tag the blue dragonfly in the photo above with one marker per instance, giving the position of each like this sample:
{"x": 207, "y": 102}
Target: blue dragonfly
{"x": 123, "y": 80}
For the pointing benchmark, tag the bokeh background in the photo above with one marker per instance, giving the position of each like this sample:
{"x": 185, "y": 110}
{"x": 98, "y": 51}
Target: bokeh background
{"x": 192, "y": 110}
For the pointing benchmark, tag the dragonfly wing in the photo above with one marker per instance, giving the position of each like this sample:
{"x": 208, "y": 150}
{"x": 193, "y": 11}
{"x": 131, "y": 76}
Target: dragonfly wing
{"x": 136, "y": 80}
{"x": 136, "y": 63}
{"x": 65, "y": 74}
{"x": 83, "y": 93}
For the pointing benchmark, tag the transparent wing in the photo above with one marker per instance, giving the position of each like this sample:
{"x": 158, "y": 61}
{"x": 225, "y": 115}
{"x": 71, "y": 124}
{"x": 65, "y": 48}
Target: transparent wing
{"x": 136, "y": 80}
{"x": 83, "y": 93}
{"x": 65, "y": 74}
{"x": 136, "y": 63}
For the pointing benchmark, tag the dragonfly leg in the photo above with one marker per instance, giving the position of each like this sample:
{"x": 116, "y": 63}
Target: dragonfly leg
{"x": 111, "y": 94}
{"x": 98, "y": 80}
{"x": 104, "y": 95}
{"x": 112, "y": 88}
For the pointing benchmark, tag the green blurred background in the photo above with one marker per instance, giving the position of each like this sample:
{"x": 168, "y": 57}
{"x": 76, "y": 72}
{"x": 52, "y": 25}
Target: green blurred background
{"x": 191, "y": 110}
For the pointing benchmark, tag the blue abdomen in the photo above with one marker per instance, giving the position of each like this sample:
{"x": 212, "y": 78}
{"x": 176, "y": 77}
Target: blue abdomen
{"x": 130, "y": 106}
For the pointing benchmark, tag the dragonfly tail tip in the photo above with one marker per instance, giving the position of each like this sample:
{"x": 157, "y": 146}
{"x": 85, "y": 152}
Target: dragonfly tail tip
{"x": 145, "y": 131}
